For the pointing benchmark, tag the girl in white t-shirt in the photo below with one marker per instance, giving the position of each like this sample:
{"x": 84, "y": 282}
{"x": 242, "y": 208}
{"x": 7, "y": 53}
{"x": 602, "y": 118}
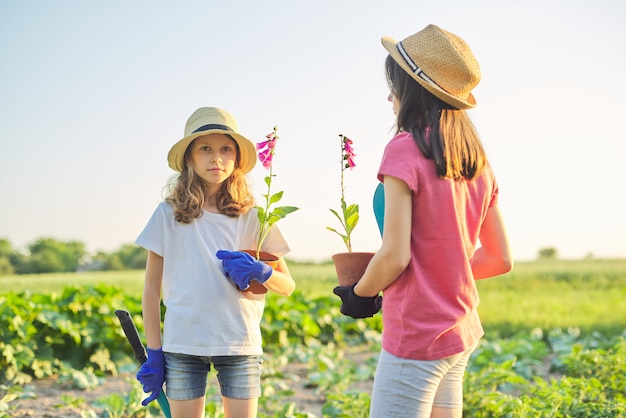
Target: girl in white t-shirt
{"x": 193, "y": 262}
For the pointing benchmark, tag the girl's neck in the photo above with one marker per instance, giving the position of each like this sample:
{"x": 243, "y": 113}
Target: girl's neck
{"x": 210, "y": 204}
{"x": 210, "y": 197}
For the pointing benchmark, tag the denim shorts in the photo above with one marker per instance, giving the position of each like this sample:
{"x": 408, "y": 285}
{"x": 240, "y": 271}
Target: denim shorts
{"x": 410, "y": 388}
{"x": 186, "y": 376}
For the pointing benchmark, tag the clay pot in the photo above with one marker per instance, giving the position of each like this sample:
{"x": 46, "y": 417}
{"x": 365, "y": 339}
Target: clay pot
{"x": 257, "y": 291}
{"x": 351, "y": 266}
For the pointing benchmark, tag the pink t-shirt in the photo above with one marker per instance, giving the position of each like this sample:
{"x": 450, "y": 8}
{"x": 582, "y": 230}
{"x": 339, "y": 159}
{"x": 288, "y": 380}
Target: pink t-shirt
{"x": 430, "y": 311}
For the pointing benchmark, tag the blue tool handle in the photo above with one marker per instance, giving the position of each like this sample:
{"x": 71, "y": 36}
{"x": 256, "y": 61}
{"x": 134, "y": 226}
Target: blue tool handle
{"x": 164, "y": 404}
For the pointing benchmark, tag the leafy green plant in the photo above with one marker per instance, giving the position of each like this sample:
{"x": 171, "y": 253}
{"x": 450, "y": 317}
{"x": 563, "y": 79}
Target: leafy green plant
{"x": 591, "y": 379}
{"x": 127, "y": 404}
{"x": 69, "y": 400}
{"x": 537, "y": 373}
{"x": 9, "y": 395}
{"x": 347, "y": 405}
{"x": 606, "y": 366}
{"x": 526, "y": 354}
{"x": 303, "y": 320}
{"x": 43, "y": 334}
{"x": 81, "y": 379}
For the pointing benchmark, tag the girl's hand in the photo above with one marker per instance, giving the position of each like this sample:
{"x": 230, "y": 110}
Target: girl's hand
{"x": 151, "y": 374}
{"x": 356, "y": 306}
{"x": 242, "y": 268}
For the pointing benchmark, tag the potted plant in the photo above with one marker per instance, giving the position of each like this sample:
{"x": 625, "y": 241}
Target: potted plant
{"x": 267, "y": 215}
{"x": 349, "y": 265}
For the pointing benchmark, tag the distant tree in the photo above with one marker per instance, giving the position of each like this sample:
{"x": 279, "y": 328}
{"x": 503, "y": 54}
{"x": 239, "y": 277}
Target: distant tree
{"x": 133, "y": 256}
{"x": 11, "y": 260}
{"x": 6, "y": 248}
{"x": 6, "y": 251}
{"x": 5, "y": 266}
{"x": 128, "y": 257}
{"x": 548, "y": 253}
{"x": 18, "y": 262}
{"x": 48, "y": 255}
{"x": 114, "y": 262}
{"x": 98, "y": 262}
{"x": 43, "y": 261}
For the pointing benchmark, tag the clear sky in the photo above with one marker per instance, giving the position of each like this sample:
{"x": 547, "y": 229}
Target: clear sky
{"x": 93, "y": 95}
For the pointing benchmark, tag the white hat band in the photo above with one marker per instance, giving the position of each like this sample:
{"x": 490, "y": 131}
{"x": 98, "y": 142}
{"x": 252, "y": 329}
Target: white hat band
{"x": 415, "y": 68}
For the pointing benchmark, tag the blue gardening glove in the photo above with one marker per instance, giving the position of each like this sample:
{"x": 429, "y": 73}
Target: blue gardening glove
{"x": 357, "y": 306}
{"x": 151, "y": 374}
{"x": 242, "y": 268}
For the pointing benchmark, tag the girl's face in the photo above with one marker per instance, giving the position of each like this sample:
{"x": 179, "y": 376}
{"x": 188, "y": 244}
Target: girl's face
{"x": 394, "y": 101}
{"x": 213, "y": 158}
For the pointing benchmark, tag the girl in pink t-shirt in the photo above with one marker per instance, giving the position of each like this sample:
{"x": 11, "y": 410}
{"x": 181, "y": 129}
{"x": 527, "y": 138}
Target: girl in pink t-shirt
{"x": 441, "y": 199}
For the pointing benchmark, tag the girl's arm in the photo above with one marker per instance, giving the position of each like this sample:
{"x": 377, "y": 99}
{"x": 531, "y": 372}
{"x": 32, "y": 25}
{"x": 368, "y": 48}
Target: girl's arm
{"x": 494, "y": 255}
{"x": 151, "y": 300}
{"x": 395, "y": 252}
{"x": 281, "y": 281}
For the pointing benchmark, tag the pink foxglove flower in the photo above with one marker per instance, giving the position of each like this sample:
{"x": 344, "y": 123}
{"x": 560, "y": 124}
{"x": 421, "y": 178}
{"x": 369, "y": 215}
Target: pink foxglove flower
{"x": 266, "y": 151}
{"x": 349, "y": 213}
{"x": 348, "y": 153}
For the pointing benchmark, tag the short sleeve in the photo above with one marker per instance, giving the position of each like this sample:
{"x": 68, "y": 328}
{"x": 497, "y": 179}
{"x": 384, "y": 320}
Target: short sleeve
{"x": 152, "y": 236}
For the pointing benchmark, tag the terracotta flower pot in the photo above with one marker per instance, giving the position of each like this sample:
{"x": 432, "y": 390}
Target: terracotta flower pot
{"x": 351, "y": 266}
{"x": 257, "y": 291}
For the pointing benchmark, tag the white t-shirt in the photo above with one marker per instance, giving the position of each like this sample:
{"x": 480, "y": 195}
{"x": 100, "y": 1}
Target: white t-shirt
{"x": 205, "y": 315}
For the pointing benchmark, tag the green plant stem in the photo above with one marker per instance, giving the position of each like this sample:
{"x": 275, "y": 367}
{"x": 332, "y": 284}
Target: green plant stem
{"x": 343, "y": 199}
{"x": 263, "y": 231}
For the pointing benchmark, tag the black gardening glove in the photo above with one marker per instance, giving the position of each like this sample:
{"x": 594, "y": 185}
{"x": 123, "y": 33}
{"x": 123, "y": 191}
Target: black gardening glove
{"x": 357, "y": 306}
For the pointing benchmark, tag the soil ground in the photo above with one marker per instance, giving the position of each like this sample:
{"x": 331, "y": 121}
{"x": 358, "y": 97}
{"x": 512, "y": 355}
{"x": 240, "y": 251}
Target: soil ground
{"x": 47, "y": 400}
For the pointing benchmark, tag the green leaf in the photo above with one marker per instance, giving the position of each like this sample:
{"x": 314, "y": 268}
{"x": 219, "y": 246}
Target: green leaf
{"x": 351, "y": 210}
{"x": 260, "y": 214}
{"x": 283, "y": 211}
{"x": 272, "y": 219}
{"x": 276, "y": 197}
{"x": 337, "y": 216}
{"x": 352, "y": 220}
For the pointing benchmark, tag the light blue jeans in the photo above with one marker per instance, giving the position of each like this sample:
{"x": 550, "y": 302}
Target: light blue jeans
{"x": 186, "y": 376}
{"x": 410, "y": 388}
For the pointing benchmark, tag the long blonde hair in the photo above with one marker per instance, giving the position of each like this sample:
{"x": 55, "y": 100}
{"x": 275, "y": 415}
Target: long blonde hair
{"x": 187, "y": 193}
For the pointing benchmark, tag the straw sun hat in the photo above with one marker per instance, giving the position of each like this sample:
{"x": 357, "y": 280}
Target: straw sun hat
{"x": 211, "y": 120}
{"x": 441, "y": 62}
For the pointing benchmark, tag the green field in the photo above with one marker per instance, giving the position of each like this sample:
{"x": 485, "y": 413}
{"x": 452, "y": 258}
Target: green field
{"x": 588, "y": 294}
{"x": 555, "y": 343}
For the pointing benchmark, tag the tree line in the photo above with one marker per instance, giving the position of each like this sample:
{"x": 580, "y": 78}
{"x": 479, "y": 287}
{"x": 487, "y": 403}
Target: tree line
{"x": 48, "y": 255}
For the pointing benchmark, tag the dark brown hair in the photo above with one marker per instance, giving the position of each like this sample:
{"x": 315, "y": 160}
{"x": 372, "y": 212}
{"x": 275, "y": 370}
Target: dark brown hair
{"x": 442, "y": 133}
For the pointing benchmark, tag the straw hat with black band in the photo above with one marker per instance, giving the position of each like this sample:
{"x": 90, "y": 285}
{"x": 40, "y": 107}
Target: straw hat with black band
{"x": 211, "y": 120}
{"x": 439, "y": 61}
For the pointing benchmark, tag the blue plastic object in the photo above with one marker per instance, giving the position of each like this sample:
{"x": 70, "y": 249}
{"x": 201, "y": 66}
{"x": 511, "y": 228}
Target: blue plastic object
{"x": 379, "y": 207}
